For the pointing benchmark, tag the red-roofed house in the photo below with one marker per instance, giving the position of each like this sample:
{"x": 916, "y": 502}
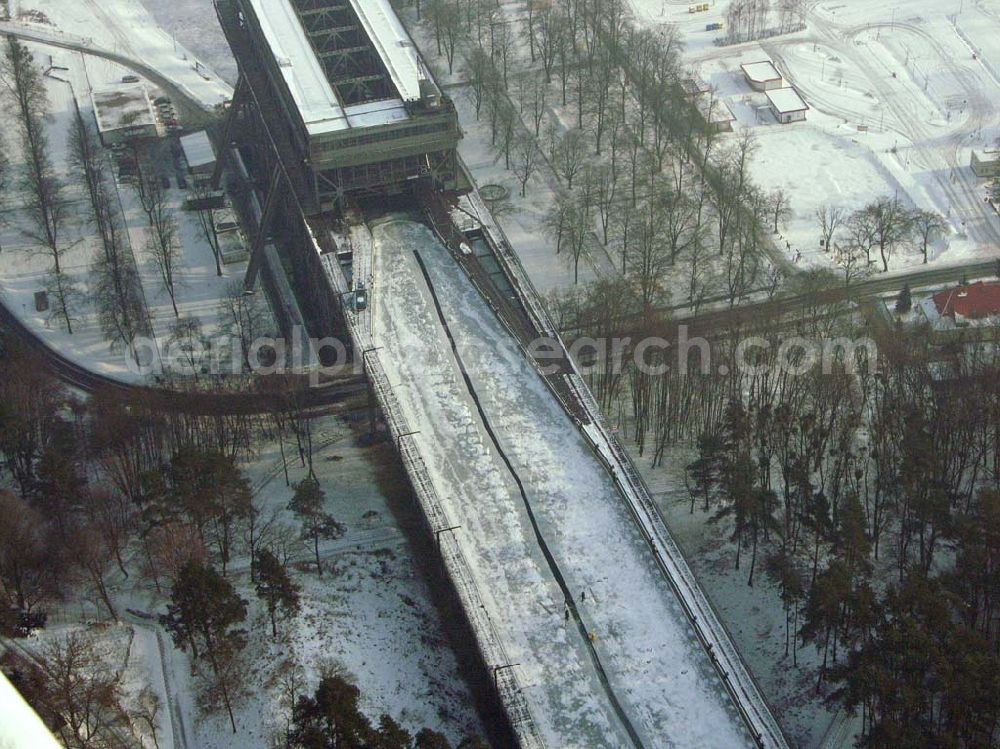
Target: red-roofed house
{"x": 972, "y": 302}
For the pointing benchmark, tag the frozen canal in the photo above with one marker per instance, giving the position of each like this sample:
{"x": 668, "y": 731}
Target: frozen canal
{"x": 638, "y": 634}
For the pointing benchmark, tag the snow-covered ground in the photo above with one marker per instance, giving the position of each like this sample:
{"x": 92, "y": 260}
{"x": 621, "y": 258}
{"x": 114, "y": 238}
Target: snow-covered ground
{"x": 899, "y": 95}
{"x": 193, "y": 23}
{"x": 126, "y": 28}
{"x": 23, "y": 267}
{"x": 370, "y": 616}
{"x": 654, "y": 663}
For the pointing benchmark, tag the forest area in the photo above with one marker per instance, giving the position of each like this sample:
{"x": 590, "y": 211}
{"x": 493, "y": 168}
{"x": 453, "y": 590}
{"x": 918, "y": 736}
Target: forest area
{"x": 866, "y": 491}
{"x": 113, "y": 489}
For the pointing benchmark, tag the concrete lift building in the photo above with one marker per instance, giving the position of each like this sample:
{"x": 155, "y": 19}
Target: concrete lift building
{"x": 333, "y": 106}
{"x": 352, "y": 108}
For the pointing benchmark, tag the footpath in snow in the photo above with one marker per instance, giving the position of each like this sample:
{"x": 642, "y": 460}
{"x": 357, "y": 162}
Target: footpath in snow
{"x": 641, "y": 639}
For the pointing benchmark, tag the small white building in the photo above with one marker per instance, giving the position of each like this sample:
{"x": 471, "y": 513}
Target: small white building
{"x": 786, "y": 105}
{"x": 715, "y": 113}
{"x": 762, "y": 75}
{"x": 200, "y": 155}
{"x": 124, "y": 112}
{"x": 986, "y": 164}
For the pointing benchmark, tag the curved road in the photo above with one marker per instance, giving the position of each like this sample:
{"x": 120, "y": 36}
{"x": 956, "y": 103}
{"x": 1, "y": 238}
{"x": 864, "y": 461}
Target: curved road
{"x": 175, "y": 90}
{"x": 197, "y": 403}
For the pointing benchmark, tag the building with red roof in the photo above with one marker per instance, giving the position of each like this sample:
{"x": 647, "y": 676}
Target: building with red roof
{"x": 972, "y": 302}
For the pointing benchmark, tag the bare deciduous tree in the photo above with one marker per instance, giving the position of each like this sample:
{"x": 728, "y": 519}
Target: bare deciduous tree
{"x": 117, "y": 293}
{"x": 85, "y": 692}
{"x": 853, "y": 260}
{"x": 4, "y": 173}
{"x": 92, "y": 553}
{"x": 648, "y": 260}
{"x": 780, "y": 209}
{"x": 927, "y": 225}
{"x": 526, "y": 158}
{"x": 147, "y": 712}
{"x": 113, "y": 516}
{"x": 188, "y": 345}
{"x": 28, "y": 569}
{"x": 889, "y": 223}
{"x": 830, "y": 219}
{"x": 165, "y": 251}
{"x": 570, "y": 155}
{"x": 24, "y": 87}
{"x": 245, "y": 316}
{"x": 483, "y": 77}
{"x": 206, "y": 220}
{"x": 64, "y": 298}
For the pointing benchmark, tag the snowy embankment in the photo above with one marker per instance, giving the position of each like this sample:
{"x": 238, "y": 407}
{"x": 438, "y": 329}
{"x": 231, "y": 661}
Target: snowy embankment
{"x": 652, "y": 657}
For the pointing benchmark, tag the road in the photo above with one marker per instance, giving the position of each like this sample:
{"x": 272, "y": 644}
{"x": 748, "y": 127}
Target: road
{"x": 192, "y": 110}
{"x": 197, "y": 403}
{"x": 704, "y": 321}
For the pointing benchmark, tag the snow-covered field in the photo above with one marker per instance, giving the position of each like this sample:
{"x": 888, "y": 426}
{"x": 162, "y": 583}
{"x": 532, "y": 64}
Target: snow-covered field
{"x": 653, "y": 661}
{"x": 369, "y": 617}
{"x": 899, "y": 95}
{"x": 193, "y": 24}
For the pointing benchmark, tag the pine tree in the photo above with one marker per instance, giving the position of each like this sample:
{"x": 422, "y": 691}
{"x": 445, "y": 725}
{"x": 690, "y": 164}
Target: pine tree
{"x": 390, "y": 735}
{"x": 760, "y": 516}
{"x": 208, "y": 489}
{"x": 781, "y": 567}
{"x": 905, "y": 301}
{"x": 307, "y": 504}
{"x": 204, "y": 614}
{"x": 705, "y": 470}
{"x": 816, "y": 518}
{"x": 275, "y": 588}
{"x": 428, "y": 739}
{"x": 824, "y": 609}
{"x": 329, "y": 718}
{"x": 738, "y": 500}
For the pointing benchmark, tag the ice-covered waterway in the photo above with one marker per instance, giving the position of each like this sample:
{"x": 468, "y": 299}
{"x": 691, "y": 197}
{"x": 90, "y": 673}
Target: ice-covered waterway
{"x": 660, "y": 674}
